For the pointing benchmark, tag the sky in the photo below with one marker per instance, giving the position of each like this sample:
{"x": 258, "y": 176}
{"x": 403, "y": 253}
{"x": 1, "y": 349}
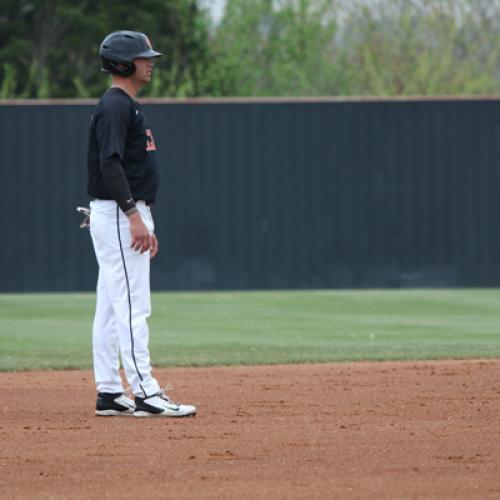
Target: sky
{"x": 216, "y": 8}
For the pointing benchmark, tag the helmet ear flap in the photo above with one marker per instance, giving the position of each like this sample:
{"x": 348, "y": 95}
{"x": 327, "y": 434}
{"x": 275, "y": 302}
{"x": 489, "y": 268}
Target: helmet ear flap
{"x": 124, "y": 69}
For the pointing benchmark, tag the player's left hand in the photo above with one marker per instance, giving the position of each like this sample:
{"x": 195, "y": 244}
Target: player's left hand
{"x": 154, "y": 247}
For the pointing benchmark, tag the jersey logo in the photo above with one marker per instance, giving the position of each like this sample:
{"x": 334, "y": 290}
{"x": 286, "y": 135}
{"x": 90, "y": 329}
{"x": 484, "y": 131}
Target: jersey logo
{"x": 150, "y": 144}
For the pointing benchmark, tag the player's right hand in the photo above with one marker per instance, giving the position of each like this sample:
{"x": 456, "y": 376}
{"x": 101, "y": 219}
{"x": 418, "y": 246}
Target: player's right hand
{"x": 141, "y": 240}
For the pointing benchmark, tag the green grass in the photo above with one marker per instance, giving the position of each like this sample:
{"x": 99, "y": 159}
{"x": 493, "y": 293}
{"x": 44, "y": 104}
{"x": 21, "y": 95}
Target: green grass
{"x": 200, "y": 329}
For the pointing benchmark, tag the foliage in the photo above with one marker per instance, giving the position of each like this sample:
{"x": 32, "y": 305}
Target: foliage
{"x": 262, "y": 49}
{"x": 429, "y": 47}
{"x": 359, "y": 47}
{"x": 48, "y": 48}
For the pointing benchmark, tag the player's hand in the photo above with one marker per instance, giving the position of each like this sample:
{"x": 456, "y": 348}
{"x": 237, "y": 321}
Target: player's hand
{"x": 153, "y": 249}
{"x": 141, "y": 240}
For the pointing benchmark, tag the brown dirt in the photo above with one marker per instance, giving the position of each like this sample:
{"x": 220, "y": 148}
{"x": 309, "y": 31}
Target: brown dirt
{"x": 357, "y": 430}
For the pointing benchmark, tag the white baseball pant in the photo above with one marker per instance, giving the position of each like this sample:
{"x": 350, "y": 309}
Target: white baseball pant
{"x": 123, "y": 302}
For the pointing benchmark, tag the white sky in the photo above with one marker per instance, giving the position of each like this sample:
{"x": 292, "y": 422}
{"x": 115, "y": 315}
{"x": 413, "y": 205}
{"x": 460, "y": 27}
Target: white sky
{"x": 216, "y": 8}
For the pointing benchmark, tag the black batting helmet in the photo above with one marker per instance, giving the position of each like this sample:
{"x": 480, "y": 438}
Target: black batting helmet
{"x": 120, "y": 48}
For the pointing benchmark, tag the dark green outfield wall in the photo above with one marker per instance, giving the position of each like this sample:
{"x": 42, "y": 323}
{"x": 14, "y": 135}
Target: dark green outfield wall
{"x": 259, "y": 195}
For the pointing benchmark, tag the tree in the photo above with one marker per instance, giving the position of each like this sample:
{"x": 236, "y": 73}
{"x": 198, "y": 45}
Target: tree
{"x": 358, "y": 47}
{"x": 265, "y": 48}
{"x": 425, "y": 47}
{"x": 50, "y": 48}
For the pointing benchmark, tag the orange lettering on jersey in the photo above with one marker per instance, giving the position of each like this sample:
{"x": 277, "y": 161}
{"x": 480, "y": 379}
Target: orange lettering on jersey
{"x": 150, "y": 144}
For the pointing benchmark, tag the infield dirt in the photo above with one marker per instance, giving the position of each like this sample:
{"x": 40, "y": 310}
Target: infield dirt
{"x": 350, "y": 430}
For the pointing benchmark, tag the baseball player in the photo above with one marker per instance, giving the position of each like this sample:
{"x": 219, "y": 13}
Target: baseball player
{"x": 123, "y": 181}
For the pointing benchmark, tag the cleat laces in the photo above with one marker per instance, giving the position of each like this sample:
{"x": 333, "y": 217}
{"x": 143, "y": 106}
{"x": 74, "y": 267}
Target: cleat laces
{"x": 163, "y": 395}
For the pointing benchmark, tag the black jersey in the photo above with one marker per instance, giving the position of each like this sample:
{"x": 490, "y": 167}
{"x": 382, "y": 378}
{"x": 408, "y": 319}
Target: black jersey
{"x": 118, "y": 130}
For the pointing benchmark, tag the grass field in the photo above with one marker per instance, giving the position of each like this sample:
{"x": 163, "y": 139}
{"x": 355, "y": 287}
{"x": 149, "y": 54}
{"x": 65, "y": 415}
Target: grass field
{"x": 201, "y": 329}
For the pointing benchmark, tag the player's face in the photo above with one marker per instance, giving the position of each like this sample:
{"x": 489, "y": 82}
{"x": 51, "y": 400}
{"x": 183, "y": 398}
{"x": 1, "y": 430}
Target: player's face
{"x": 143, "y": 70}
